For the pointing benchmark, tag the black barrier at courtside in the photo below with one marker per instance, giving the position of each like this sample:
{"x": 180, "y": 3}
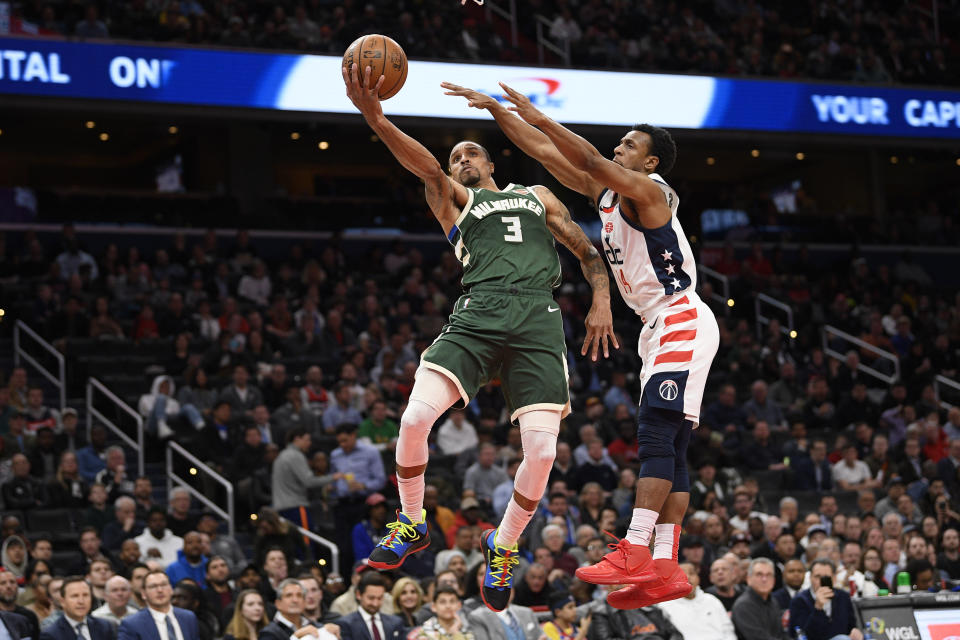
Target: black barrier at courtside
{"x": 917, "y": 616}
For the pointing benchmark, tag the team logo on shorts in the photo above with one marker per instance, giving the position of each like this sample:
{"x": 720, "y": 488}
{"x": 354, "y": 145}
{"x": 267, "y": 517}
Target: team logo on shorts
{"x": 608, "y": 227}
{"x": 669, "y": 390}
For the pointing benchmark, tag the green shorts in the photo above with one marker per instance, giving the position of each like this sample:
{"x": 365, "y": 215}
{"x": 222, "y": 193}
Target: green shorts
{"x": 510, "y": 332}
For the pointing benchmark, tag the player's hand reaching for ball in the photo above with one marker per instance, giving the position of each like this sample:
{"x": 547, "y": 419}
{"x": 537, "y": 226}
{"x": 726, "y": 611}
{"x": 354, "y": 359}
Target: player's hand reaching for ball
{"x": 365, "y": 95}
{"x": 522, "y": 106}
{"x": 475, "y": 99}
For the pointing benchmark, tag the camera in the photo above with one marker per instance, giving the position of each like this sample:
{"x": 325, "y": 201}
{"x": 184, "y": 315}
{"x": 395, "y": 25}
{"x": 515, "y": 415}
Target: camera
{"x": 826, "y": 581}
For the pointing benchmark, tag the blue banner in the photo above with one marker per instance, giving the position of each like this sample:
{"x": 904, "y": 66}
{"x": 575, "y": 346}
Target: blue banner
{"x": 291, "y": 82}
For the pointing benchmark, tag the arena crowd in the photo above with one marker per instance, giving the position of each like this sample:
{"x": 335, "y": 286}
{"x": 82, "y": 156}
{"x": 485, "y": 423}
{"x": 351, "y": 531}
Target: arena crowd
{"x": 288, "y": 374}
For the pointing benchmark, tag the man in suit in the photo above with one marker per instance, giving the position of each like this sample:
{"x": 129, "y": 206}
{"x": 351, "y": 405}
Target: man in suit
{"x": 814, "y": 473}
{"x": 76, "y": 598}
{"x": 367, "y": 623}
{"x": 513, "y": 623}
{"x": 289, "y": 620}
{"x": 16, "y": 625}
{"x": 159, "y": 620}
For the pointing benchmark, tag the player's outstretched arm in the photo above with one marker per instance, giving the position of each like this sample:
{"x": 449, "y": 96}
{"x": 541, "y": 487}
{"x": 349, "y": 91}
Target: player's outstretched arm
{"x": 415, "y": 157}
{"x": 584, "y": 156}
{"x": 530, "y": 140}
{"x": 599, "y": 321}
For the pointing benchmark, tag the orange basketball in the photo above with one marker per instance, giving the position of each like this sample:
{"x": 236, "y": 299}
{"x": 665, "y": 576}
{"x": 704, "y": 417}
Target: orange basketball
{"x": 384, "y": 57}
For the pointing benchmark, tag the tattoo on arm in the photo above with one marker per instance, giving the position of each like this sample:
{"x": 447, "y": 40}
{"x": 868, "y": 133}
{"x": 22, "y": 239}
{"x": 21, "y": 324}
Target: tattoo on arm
{"x": 433, "y": 188}
{"x": 572, "y": 236}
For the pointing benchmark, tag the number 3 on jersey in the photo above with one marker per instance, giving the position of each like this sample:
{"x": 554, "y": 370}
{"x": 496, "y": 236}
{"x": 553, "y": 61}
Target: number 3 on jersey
{"x": 513, "y": 226}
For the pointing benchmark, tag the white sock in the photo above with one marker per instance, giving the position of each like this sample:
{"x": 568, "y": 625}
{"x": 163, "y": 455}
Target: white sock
{"x": 665, "y": 546}
{"x": 411, "y": 496}
{"x": 515, "y": 520}
{"x": 641, "y": 526}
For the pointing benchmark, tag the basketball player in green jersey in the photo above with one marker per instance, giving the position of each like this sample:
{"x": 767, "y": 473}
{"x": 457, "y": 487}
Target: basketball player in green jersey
{"x": 507, "y": 324}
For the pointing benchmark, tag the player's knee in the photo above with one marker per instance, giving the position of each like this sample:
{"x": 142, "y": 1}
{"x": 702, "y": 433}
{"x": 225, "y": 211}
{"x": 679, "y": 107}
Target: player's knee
{"x": 656, "y": 432}
{"x": 418, "y": 417}
{"x": 661, "y": 467}
{"x": 541, "y": 457}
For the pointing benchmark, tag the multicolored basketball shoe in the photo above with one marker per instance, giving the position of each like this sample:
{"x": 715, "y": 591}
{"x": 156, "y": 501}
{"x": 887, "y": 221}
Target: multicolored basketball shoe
{"x": 405, "y": 539}
{"x": 498, "y": 580}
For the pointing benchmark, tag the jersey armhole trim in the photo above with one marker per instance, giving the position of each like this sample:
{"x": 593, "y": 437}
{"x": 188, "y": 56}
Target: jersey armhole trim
{"x": 466, "y": 208}
{"x": 600, "y": 199}
{"x": 533, "y": 192}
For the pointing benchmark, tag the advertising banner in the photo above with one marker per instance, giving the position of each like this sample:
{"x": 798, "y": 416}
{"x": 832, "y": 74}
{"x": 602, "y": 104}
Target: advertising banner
{"x": 312, "y": 83}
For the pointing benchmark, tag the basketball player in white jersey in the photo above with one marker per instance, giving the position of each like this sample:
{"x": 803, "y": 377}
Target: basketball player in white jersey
{"x": 655, "y": 271}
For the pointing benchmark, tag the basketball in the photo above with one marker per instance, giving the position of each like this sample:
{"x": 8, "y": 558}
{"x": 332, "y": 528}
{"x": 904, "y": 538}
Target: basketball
{"x": 384, "y": 57}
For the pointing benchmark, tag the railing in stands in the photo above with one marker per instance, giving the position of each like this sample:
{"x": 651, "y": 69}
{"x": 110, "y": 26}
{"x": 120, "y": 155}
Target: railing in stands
{"x": 198, "y": 467}
{"x": 21, "y": 329}
{"x": 334, "y": 550}
{"x": 724, "y": 296}
{"x": 831, "y": 331}
{"x": 508, "y": 15}
{"x": 763, "y": 320}
{"x": 943, "y": 381}
{"x": 95, "y": 386}
{"x": 543, "y": 42}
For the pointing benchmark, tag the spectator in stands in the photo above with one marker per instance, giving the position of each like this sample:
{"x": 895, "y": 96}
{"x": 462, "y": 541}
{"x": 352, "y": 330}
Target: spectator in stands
{"x": 116, "y": 604}
{"x": 114, "y": 477}
{"x": 312, "y": 395}
{"x": 360, "y": 460}
{"x": 23, "y": 491}
{"x": 249, "y": 617}
{"x": 483, "y": 477}
{"x": 456, "y": 434}
{"x": 358, "y": 625}
{"x": 100, "y": 570}
{"x": 67, "y": 490}
{"x": 447, "y": 623}
{"x": 188, "y": 595}
{"x": 595, "y": 468}
{"x": 125, "y": 525}
{"x": 158, "y": 407}
{"x": 218, "y": 595}
{"x": 408, "y": 601}
{"x": 128, "y": 557}
{"x": 724, "y": 583}
{"x": 143, "y": 495}
{"x": 97, "y": 514}
{"x": 378, "y": 429}
{"x": 92, "y": 458}
{"x": 159, "y": 613}
{"x": 179, "y": 519}
{"x": 190, "y": 563}
{"x": 17, "y": 440}
{"x": 292, "y": 478}
{"x": 289, "y": 620}
{"x": 241, "y": 396}
{"x": 794, "y": 572}
{"x": 157, "y": 542}
{"x": 13, "y": 555}
{"x": 77, "y": 600}
{"x": 221, "y": 545}
{"x": 8, "y": 602}
{"x": 609, "y": 622}
{"x": 755, "y": 614}
{"x": 821, "y": 611}
{"x": 43, "y": 457}
{"x": 761, "y": 407}
{"x": 698, "y": 614}
{"x": 368, "y": 532}
{"x": 39, "y": 415}
{"x": 851, "y": 474}
{"x": 340, "y": 410}
{"x": 197, "y": 392}
{"x": 293, "y": 414}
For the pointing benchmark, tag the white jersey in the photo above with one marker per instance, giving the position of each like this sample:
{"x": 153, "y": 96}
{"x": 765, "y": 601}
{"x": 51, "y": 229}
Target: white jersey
{"x": 650, "y": 265}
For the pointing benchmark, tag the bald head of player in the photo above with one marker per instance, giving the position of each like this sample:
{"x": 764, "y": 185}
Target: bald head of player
{"x": 470, "y": 163}
{"x": 647, "y": 149}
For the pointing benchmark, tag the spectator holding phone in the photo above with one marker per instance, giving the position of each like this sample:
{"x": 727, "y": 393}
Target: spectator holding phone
{"x": 822, "y": 612}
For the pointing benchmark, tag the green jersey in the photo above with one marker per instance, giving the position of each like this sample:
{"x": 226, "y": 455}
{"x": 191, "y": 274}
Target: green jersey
{"x": 501, "y": 237}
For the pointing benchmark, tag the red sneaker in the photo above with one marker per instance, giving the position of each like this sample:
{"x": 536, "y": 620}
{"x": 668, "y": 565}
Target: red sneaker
{"x": 627, "y": 564}
{"x": 671, "y": 583}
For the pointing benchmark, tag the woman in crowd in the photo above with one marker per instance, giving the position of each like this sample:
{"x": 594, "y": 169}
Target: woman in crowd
{"x": 249, "y": 617}
{"x": 407, "y": 600}
{"x": 68, "y": 491}
{"x": 36, "y": 569}
{"x": 591, "y": 503}
{"x": 871, "y": 565}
